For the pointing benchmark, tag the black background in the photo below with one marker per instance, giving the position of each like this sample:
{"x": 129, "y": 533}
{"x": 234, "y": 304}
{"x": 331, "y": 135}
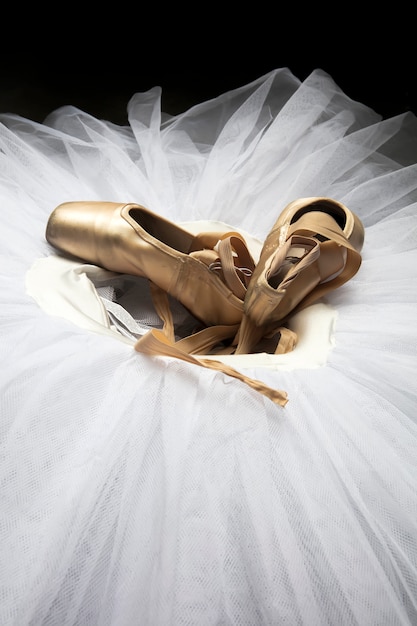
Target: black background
{"x": 97, "y": 62}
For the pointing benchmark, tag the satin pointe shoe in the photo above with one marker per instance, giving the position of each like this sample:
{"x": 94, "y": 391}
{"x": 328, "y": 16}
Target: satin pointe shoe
{"x": 128, "y": 238}
{"x": 313, "y": 248}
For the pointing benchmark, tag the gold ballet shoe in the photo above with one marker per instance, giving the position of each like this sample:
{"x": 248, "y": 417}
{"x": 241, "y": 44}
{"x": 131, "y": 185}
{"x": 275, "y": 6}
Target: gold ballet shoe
{"x": 313, "y": 248}
{"x": 128, "y": 238}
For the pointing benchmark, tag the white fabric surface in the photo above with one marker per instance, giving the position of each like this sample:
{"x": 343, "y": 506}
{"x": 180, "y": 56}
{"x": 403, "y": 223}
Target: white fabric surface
{"x": 139, "y": 490}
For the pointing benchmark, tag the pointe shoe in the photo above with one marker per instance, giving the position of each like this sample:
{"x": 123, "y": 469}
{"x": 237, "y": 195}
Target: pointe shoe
{"x": 130, "y": 239}
{"x": 313, "y": 248}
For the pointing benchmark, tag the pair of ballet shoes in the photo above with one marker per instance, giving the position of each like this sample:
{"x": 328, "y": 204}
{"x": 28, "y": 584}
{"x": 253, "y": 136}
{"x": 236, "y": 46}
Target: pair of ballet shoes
{"x": 313, "y": 247}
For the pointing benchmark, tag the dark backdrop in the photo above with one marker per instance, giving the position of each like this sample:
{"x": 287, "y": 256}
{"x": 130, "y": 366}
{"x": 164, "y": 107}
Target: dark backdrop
{"x": 98, "y": 63}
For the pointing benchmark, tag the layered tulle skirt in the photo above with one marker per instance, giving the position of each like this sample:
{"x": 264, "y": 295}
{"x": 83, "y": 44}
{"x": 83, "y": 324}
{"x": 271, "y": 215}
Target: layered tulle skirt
{"x": 148, "y": 490}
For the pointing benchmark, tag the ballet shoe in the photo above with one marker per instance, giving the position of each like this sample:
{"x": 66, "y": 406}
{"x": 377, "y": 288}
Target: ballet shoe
{"x": 313, "y": 248}
{"x": 127, "y": 238}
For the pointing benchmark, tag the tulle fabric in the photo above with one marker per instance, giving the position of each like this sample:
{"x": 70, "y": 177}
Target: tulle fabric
{"x": 146, "y": 490}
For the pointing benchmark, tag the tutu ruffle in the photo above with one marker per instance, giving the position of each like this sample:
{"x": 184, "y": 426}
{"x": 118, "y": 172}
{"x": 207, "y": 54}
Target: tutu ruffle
{"x": 146, "y": 490}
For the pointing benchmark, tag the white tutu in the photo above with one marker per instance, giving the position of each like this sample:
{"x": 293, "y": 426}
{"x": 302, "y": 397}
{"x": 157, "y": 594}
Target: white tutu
{"x": 150, "y": 491}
